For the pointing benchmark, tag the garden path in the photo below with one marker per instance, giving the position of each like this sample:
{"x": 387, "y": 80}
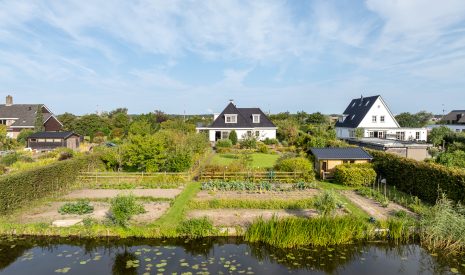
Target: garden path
{"x": 111, "y": 193}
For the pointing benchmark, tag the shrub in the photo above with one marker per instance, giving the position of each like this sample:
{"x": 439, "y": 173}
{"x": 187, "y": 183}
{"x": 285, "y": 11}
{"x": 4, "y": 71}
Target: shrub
{"x": 123, "y": 208}
{"x": 296, "y": 164}
{"x": 270, "y": 141}
{"x": 354, "y": 174}
{"x": 262, "y": 148}
{"x": 196, "y": 228}
{"x": 326, "y": 203}
{"x": 224, "y": 143}
{"x": 419, "y": 178}
{"x": 248, "y": 142}
{"x": 23, "y": 187}
{"x": 178, "y": 162}
{"x": 233, "y": 137}
{"x": 64, "y": 153}
{"x": 80, "y": 208}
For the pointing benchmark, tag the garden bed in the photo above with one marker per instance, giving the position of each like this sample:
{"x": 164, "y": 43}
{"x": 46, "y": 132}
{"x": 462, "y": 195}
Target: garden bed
{"x": 49, "y": 213}
{"x": 255, "y": 195}
{"x": 111, "y": 193}
{"x": 243, "y": 217}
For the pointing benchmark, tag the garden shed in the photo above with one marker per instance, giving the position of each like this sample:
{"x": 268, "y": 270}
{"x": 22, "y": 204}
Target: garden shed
{"x": 326, "y": 159}
{"x": 43, "y": 141}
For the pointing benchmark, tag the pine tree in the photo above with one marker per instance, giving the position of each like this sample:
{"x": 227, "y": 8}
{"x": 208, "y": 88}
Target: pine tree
{"x": 233, "y": 137}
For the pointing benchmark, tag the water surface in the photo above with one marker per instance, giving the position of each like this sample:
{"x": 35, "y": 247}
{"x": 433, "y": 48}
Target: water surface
{"x": 214, "y": 256}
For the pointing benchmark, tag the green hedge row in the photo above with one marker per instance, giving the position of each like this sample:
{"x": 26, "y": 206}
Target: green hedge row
{"x": 355, "y": 174}
{"x": 21, "y": 188}
{"x": 422, "y": 179}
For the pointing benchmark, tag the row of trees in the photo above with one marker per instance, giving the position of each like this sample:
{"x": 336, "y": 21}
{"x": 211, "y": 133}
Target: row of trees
{"x": 449, "y": 147}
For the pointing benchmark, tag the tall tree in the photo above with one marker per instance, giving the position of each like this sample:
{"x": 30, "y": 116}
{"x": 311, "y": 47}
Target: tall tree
{"x": 68, "y": 120}
{"x": 39, "y": 123}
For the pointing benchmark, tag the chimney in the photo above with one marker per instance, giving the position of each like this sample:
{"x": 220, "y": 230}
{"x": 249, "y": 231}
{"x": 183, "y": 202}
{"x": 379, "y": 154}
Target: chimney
{"x": 9, "y": 100}
{"x": 232, "y": 101}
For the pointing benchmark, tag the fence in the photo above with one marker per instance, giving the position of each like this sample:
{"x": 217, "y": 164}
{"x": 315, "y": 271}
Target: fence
{"x": 96, "y": 178}
{"x": 254, "y": 176}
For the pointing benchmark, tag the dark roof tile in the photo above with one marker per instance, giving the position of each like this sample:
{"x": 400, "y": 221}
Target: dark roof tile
{"x": 244, "y": 118}
{"x": 356, "y": 111}
{"x": 341, "y": 153}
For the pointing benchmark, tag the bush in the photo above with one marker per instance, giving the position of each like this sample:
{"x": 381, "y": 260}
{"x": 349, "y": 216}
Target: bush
{"x": 270, "y": 141}
{"x": 326, "y": 203}
{"x": 178, "y": 162}
{"x": 233, "y": 137}
{"x": 224, "y": 143}
{"x": 123, "y": 208}
{"x": 21, "y": 188}
{"x": 248, "y": 142}
{"x": 64, "y": 153}
{"x": 419, "y": 178}
{"x": 355, "y": 174}
{"x": 296, "y": 164}
{"x": 262, "y": 148}
{"x": 80, "y": 208}
{"x": 196, "y": 228}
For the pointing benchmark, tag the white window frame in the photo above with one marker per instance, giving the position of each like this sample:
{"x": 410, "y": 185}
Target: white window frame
{"x": 417, "y": 135}
{"x": 256, "y": 118}
{"x": 257, "y": 133}
{"x": 232, "y": 118}
{"x": 224, "y": 134}
{"x": 374, "y": 119}
{"x": 382, "y": 119}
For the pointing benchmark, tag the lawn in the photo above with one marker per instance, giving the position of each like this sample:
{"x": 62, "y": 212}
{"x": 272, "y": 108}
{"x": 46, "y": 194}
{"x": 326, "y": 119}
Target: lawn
{"x": 260, "y": 160}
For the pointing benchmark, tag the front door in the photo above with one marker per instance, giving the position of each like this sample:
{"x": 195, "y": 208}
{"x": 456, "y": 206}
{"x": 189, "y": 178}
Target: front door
{"x": 217, "y": 135}
{"x": 324, "y": 167}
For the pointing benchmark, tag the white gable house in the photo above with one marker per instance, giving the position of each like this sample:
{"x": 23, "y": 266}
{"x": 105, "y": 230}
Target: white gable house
{"x": 372, "y": 115}
{"x": 244, "y": 121}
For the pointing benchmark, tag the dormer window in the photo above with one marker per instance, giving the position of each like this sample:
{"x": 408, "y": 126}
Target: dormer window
{"x": 230, "y": 118}
{"x": 366, "y": 104}
{"x": 256, "y": 118}
{"x": 353, "y": 105}
{"x": 352, "y": 118}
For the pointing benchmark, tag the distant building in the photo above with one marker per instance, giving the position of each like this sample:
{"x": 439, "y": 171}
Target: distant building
{"x": 326, "y": 159}
{"x": 245, "y": 121}
{"x": 44, "y": 141}
{"x": 455, "y": 120}
{"x": 408, "y": 149}
{"x": 373, "y": 117}
{"x": 18, "y": 117}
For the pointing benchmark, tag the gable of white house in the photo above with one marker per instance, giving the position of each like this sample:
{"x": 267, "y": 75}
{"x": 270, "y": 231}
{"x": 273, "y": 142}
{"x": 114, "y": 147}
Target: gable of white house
{"x": 379, "y": 116}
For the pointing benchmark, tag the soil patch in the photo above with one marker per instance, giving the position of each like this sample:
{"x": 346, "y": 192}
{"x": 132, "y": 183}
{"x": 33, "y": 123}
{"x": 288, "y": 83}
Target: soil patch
{"x": 266, "y": 195}
{"x": 374, "y": 208}
{"x": 49, "y": 213}
{"x": 111, "y": 193}
{"x": 243, "y": 217}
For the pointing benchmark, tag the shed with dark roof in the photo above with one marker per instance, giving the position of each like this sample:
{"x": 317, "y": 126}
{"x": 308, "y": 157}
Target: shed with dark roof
{"x": 326, "y": 159}
{"x": 44, "y": 141}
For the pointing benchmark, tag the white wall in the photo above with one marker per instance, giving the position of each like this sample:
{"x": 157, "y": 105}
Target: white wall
{"x": 264, "y": 133}
{"x": 378, "y": 109}
{"x": 342, "y": 132}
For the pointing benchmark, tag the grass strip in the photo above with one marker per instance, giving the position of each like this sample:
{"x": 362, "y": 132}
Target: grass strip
{"x": 251, "y": 204}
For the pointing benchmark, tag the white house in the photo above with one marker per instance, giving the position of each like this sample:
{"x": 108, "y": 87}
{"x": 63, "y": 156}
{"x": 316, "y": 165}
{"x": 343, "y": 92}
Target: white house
{"x": 372, "y": 115}
{"x": 245, "y": 121}
{"x": 455, "y": 120}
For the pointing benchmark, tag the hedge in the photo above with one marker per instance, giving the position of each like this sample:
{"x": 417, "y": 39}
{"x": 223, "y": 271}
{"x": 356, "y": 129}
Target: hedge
{"x": 351, "y": 174}
{"x": 422, "y": 179}
{"x": 19, "y": 189}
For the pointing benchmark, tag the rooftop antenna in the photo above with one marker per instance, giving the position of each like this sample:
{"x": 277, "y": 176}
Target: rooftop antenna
{"x": 232, "y": 101}
{"x": 443, "y": 110}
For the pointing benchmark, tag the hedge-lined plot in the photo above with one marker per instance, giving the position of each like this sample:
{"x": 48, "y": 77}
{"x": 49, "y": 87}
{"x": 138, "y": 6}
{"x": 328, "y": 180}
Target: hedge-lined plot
{"x": 19, "y": 189}
{"x": 422, "y": 179}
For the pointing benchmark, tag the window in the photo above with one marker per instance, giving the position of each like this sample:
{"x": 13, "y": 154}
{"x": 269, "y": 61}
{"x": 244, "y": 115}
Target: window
{"x": 372, "y": 134}
{"x": 41, "y": 140}
{"x": 457, "y": 130}
{"x": 381, "y": 119}
{"x": 249, "y": 133}
{"x": 230, "y": 118}
{"x": 373, "y": 119}
{"x": 400, "y": 135}
{"x": 353, "y": 105}
{"x": 57, "y": 140}
{"x": 257, "y": 133}
{"x": 224, "y": 135}
{"x": 33, "y": 140}
{"x": 417, "y": 135}
{"x": 256, "y": 118}
{"x": 381, "y": 134}
{"x": 3, "y": 121}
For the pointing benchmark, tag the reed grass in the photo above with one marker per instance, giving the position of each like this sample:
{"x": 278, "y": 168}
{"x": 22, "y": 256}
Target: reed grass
{"x": 293, "y": 232}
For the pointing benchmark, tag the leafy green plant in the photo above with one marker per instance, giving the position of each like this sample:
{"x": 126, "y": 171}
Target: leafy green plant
{"x": 233, "y": 137}
{"x": 224, "y": 143}
{"x": 355, "y": 174}
{"x": 196, "y": 228}
{"x": 80, "y": 208}
{"x": 122, "y": 208}
{"x": 252, "y": 204}
{"x": 326, "y": 203}
{"x": 296, "y": 164}
{"x": 373, "y": 194}
{"x": 401, "y": 214}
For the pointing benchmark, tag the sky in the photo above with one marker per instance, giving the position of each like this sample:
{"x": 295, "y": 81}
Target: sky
{"x": 193, "y": 56}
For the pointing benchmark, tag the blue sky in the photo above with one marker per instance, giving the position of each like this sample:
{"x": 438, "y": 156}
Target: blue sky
{"x": 176, "y": 56}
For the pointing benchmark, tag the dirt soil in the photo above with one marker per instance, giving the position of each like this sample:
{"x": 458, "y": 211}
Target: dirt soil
{"x": 243, "y": 217}
{"x": 111, "y": 193}
{"x": 49, "y": 213}
{"x": 374, "y": 208}
{"x": 266, "y": 195}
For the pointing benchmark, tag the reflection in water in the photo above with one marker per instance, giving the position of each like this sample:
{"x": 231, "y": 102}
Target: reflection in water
{"x": 214, "y": 256}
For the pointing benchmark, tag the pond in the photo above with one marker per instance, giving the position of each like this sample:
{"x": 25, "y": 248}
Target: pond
{"x": 214, "y": 256}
